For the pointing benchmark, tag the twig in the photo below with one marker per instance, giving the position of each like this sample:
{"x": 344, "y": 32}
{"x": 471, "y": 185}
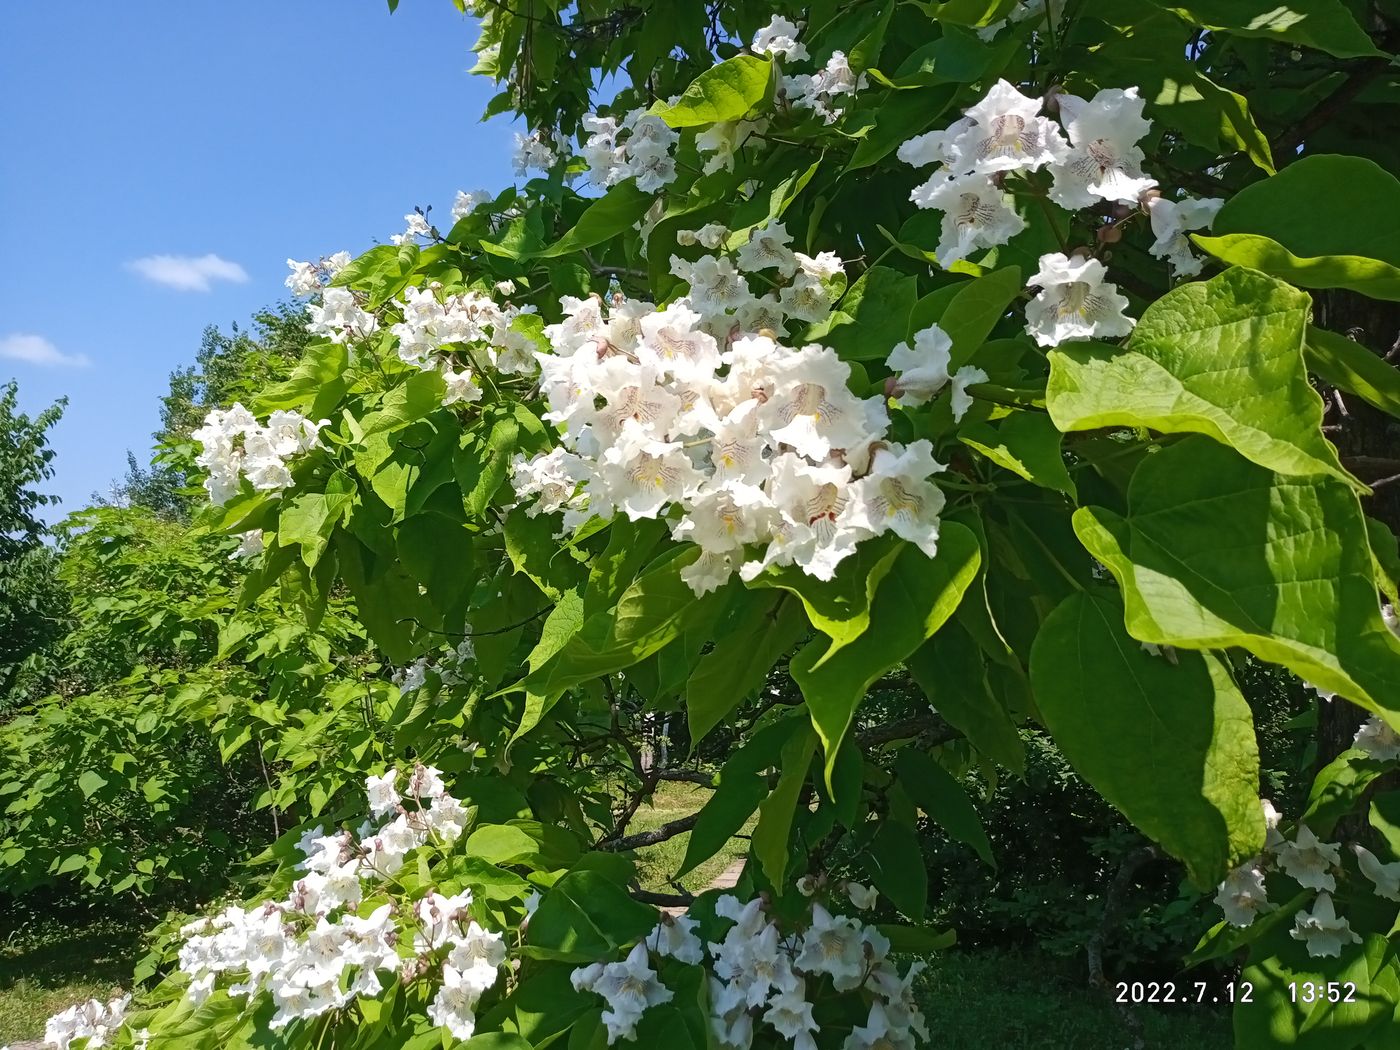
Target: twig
{"x": 939, "y": 731}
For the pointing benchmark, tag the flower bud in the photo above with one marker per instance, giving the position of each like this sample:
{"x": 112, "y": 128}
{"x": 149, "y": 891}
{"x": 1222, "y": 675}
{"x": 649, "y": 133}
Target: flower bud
{"x": 1110, "y": 233}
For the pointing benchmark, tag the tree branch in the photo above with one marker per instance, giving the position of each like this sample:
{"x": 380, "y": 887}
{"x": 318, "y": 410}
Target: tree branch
{"x": 1321, "y": 115}
{"x": 931, "y": 726}
{"x": 650, "y": 838}
{"x": 665, "y": 900}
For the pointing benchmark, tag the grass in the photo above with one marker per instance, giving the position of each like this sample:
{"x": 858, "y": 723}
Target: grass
{"x": 657, "y": 864}
{"x": 993, "y": 999}
{"x": 50, "y": 962}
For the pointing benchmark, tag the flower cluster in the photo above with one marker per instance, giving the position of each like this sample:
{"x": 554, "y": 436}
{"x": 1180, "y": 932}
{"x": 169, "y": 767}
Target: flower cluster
{"x": 340, "y": 318}
{"x": 699, "y": 407}
{"x": 308, "y": 278}
{"x": 327, "y": 942}
{"x": 450, "y": 669}
{"x": 1313, "y": 865}
{"x": 641, "y": 146}
{"x": 767, "y": 971}
{"x": 439, "y": 334}
{"x": 538, "y": 151}
{"x": 1093, "y": 159}
{"x": 93, "y": 1020}
{"x": 237, "y": 446}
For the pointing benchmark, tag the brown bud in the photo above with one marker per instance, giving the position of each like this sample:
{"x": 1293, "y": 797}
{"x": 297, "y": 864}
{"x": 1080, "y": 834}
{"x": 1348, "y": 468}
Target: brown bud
{"x": 1148, "y": 196}
{"x": 892, "y": 386}
{"x": 1081, "y": 252}
{"x": 1052, "y": 98}
{"x": 1121, "y": 210}
{"x": 1111, "y": 233}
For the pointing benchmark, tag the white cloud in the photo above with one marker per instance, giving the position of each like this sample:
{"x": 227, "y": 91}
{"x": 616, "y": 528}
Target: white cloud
{"x": 36, "y": 350}
{"x": 188, "y": 273}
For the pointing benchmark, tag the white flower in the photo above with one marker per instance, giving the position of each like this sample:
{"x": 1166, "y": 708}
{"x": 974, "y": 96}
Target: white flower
{"x": 643, "y": 475}
{"x": 466, "y": 203}
{"x": 532, "y": 152}
{"x": 934, "y": 147}
{"x": 478, "y": 955}
{"x": 976, "y": 215}
{"x": 383, "y": 799}
{"x": 715, "y": 285}
{"x": 879, "y": 1033}
{"x": 426, "y": 782}
{"x": 922, "y": 368}
{"x": 339, "y": 316}
{"x": 767, "y": 248}
{"x": 674, "y": 936}
{"x": 806, "y": 299}
{"x": 896, "y": 496}
{"x": 791, "y": 1014}
{"x": 454, "y": 1006}
{"x": 250, "y": 545}
{"x": 305, "y": 278}
{"x": 779, "y": 38}
{"x": 460, "y": 386}
{"x": 961, "y": 400}
{"x": 1007, "y": 133}
{"x": 1104, "y": 161}
{"x": 1171, "y": 221}
{"x": 1242, "y": 895}
{"x": 585, "y": 977}
{"x": 863, "y": 897}
{"x": 1385, "y": 877}
{"x": 822, "y": 266}
{"x": 1378, "y": 740}
{"x": 1321, "y": 930}
{"x": 1308, "y": 860}
{"x": 1076, "y": 302}
{"x": 832, "y": 945}
{"x": 630, "y": 987}
{"x": 818, "y": 91}
{"x": 722, "y": 141}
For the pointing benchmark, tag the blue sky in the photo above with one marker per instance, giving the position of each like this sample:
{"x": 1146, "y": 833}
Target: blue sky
{"x": 248, "y": 131}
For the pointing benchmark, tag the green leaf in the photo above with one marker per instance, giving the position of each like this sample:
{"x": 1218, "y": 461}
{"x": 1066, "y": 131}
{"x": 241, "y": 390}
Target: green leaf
{"x": 90, "y": 783}
{"x": 1027, "y": 444}
{"x": 1323, "y": 24}
{"x": 970, "y": 12}
{"x": 418, "y": 396}
{"x": 1199, "y": 361}
{"x": 917, "y": 940}
{"x": 911, "y": 604}
{"x": 1290, "y": 1005}
{"x": 315, "y": 384}
{"x": 653, "y": 612}
{"x": 1338, "y": 789}
{"x": 743, "y": 784}
{"x": 934, "y": 790}
{"x": 1301, "y": 209}
{"x": 739, "y": 663}
{"x": 728, "y": 91}
{"x": 500, "y": 844}
{"x": 483, "y": 462}
{"x": 1354, "y": 272}
{"x": 774, "y": 828}
{"x": 630, "y": 547}
{"x": 974, "y": 311}
{"x": 1217, "y": 552}
{"x": 309, "y": 519}
{"x": 532, "y": 549}
{"x": 1117, "y": 711}
{"x": 904, "y": 115}
{"x": 1350, "y": 366}
{"x": 584, "y": 917}
{"x": 872, "y": 318}
{"x": 895, "y": 863}
{"x": 950, "y": 670}
{"x": 839, "y": 607}
{"x": 617, "y": 210}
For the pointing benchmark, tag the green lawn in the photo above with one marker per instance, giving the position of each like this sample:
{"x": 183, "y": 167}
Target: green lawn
{"x": 991, "y": 999}
{"x": 656, "y": 864}
{"x": 49, "y": 963}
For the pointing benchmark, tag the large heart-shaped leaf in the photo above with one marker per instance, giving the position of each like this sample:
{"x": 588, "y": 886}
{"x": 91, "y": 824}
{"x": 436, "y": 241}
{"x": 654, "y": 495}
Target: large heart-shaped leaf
{"x": 1217, "y": 552}
{"x": 1221, "y": 357}
{"x": 1171, "y": 745}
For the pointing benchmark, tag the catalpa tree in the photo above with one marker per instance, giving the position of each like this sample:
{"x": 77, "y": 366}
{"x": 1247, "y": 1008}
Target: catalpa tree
{"x": 855, "y": 383}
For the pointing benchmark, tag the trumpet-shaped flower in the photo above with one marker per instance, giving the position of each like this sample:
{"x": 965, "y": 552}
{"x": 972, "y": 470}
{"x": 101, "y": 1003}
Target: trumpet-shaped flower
{"x": 1321, "y": 930}
{"x": 1104, "y": 161}
{"x": 1076, "y": 301}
